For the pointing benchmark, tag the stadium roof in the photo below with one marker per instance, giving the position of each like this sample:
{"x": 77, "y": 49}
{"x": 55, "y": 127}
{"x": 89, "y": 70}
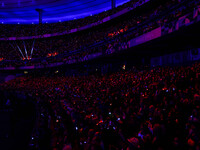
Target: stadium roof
{"x": 24, "y": 11}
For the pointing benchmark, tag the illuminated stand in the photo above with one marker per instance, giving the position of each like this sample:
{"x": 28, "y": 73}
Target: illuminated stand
{"x": 22, "y": 46}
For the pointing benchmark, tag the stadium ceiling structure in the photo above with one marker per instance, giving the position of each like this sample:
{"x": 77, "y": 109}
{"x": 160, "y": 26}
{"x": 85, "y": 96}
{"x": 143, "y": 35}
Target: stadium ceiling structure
{"x": 24, "y": 11}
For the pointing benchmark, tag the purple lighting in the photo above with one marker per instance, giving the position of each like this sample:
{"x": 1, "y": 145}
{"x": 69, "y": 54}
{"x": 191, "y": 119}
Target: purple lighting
{"x": 24, "y": 10}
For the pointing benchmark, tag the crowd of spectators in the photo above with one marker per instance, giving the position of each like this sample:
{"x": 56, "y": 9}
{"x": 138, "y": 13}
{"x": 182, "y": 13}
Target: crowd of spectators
{"x": 17, "y": 119}
{"x": 156, "y": 108}
{"x": 77, "y": 45}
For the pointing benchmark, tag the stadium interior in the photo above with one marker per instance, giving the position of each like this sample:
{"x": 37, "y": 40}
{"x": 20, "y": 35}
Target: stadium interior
{"x": 99, "y": 74}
